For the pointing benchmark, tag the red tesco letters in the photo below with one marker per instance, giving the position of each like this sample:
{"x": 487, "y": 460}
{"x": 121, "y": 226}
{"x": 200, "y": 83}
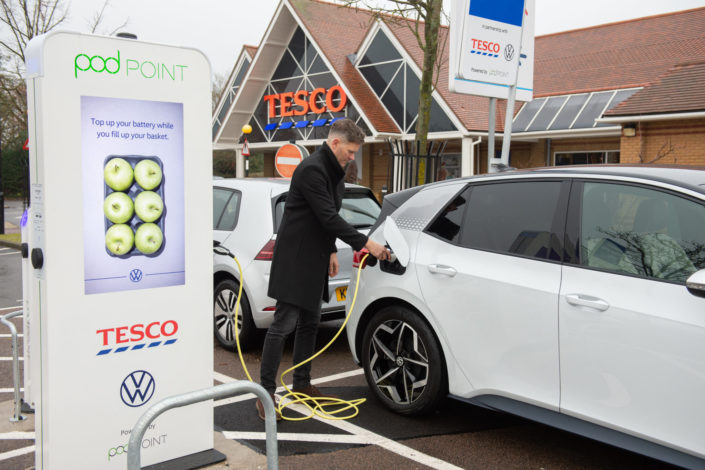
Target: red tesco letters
{"x": 136, "y": 333}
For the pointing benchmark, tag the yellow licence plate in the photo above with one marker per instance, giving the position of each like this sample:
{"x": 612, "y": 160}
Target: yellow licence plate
{"x": 341, "y": 293}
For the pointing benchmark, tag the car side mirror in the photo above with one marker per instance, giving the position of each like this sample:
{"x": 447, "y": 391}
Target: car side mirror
{"x": 696, "y": 283}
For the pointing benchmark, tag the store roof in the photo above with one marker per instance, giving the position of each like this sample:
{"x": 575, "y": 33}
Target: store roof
{"x": 681, "y": 89}
{"x": 616, "y": 56}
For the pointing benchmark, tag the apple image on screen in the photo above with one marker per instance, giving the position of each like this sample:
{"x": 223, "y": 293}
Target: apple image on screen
{"x": 149, "y": 206}
{"x": 118, "y": 174}
{"x": 148, "y": 174}
{"x": 118, "y": 207}
{"x": 148, "y": 238}
{"x": 119, "y": 239}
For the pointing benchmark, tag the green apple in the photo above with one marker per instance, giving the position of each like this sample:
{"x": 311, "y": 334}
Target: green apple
{"x": 148, "y": 238}
{"x": 118, "y": 207}
{"x": 149, "y": 206}
{"x": 118, "y": 174}
{"x": 119, "y": 239}
{"x": 148, "y": 174}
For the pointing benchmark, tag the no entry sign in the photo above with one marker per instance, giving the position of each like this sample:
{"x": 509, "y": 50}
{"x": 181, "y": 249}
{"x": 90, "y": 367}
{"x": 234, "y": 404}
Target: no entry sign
{"x": 288, "y": 158}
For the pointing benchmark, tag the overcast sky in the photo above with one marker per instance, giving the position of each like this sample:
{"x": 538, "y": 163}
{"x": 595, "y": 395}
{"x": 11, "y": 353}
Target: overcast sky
{"x": 220, "y": 28}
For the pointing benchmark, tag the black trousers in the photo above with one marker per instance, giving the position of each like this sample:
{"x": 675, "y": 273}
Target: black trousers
{"x": 288, "y": 318}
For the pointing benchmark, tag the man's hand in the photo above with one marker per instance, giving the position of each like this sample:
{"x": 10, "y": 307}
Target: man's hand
{"x": 377, "y": 250}
{"x": 333, "y": 265}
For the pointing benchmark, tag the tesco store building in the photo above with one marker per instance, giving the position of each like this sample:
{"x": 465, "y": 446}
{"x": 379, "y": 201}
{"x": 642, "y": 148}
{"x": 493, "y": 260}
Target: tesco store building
{"x": 627, "y": 92}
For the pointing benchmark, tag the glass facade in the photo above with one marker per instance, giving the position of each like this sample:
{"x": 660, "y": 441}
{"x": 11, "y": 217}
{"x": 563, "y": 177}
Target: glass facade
{"x": 230, "y": 96}
{"x": 300, "y": 68}
{"x": 397, "y": 86}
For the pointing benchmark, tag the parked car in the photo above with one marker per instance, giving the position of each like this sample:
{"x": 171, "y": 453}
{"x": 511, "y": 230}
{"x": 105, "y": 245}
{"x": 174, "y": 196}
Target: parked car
{"x": 570, "y": 296}
{"x": 246, "y": 215}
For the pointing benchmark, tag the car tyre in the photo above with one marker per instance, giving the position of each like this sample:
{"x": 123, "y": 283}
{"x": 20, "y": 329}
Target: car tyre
{"x": 403, "y": 361}
{"x": 224, "y": 303}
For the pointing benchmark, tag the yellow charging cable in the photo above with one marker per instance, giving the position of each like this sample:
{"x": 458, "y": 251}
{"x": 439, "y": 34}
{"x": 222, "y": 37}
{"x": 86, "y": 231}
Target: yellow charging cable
{"x": 318, "y": 406}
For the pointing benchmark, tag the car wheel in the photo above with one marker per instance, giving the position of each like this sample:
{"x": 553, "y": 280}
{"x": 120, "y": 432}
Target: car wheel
{"x": 402, "y": 361}
{"x": 224, "y": 316}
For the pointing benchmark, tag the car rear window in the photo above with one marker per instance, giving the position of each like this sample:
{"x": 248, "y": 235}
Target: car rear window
{"x": 359, "y": 208}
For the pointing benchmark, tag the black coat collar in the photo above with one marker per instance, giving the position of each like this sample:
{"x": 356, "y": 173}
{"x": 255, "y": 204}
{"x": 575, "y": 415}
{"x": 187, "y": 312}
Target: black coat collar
{"x": 338, "y": 172}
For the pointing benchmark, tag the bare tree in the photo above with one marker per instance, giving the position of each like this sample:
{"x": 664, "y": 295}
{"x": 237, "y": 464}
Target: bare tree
{"x": 423, "y": 18}
{"x": 667, "y": 149}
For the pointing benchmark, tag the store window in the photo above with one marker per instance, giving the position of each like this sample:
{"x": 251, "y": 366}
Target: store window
{"x": 229, "y": 95}
{"x": 397, "y": 86}
{"x": 586, "y": 158}
{"x": 301, "y": 67}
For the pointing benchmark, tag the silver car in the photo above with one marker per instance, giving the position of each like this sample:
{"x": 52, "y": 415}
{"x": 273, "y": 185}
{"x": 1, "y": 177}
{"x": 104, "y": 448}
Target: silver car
{"x": 246, "y": 215}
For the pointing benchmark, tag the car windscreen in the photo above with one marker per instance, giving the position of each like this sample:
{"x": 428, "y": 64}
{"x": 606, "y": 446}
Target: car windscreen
{"x": 359, "y": 208}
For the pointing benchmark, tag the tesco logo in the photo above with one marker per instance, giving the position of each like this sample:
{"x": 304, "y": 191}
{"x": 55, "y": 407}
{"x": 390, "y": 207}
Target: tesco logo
{"x": 148, "y": 335}
{"x": 487, "y": 46}
{"x": 304, "y": 101}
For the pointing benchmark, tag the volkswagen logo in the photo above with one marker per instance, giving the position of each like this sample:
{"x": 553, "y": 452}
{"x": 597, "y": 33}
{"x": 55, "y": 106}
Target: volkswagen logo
{"x": 509, "y": 52}
{"x": 137, "y": 388}
{"x": 135, "y": 275}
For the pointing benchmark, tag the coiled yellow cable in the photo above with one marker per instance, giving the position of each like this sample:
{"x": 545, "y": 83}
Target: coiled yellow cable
{"x": 318, "y": 406}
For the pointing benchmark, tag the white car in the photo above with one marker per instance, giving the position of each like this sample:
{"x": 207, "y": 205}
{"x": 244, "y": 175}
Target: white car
{"x": 246, "y": 215}
{"x": 570, "y": 296}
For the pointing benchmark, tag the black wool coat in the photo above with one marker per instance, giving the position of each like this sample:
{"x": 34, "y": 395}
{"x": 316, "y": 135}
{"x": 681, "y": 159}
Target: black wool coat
{"x": 306, "y": 237}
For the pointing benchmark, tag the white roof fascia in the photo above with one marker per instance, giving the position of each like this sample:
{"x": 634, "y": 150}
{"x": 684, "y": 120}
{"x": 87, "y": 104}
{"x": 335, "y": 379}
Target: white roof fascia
{"x": 229, "y": 84}
{"x": 323, "y": 57}
{"x": 246, "y": 79}
{"x": 652, "y": 117}
{"x": 411, "y": 63}
{"x": 611, "y": 131}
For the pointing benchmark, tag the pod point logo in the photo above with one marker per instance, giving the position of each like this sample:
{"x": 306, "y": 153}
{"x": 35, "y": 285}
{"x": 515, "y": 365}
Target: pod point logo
{"x": 137, "y": 388}
{"x": 150, "y": 69}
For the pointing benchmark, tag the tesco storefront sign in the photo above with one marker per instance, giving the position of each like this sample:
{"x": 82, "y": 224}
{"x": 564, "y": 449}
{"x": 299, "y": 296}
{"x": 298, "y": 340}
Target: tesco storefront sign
{"x": 304, "y": 102}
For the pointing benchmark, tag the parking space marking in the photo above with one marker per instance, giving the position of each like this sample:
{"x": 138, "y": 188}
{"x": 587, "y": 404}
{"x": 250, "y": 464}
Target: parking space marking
{"x": 222, "y": 378}
{"x": 16, "y": 307}
{"x": 14, "y": 252}
{"x": 291, "y": 436}
{"x": 9, "y": 390}
{"x": 10, "y": 359}
{"x": 9, "y": 335}
{"x": 355, "y": 433}
{"x": 17, "y": 435}
{"x": 16, "y": 453}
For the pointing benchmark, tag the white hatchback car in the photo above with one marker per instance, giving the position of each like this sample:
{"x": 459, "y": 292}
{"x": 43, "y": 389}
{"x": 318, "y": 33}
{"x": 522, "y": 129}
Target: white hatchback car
{"x": 570, "y": 296}
{"x": 246, "y": 215}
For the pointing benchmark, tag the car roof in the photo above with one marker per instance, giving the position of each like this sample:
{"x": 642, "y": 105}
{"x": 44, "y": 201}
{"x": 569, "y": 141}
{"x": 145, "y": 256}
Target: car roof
{"x": 690, "y": 177}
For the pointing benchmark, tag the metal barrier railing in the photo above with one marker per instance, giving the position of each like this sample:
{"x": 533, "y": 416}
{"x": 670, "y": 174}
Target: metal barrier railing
{"x": 212, "y": 393}
{"x": 15, "y": 364}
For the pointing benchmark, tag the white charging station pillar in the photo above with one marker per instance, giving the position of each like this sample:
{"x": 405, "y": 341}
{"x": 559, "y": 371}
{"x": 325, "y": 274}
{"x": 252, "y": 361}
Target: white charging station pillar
{"x": 124, "y": 313}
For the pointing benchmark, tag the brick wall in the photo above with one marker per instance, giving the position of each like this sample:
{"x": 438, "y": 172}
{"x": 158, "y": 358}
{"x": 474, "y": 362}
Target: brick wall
{"x": 679, "y": 142}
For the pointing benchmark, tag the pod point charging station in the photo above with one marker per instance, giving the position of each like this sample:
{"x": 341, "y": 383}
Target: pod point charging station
{"x": 120, "y": 283}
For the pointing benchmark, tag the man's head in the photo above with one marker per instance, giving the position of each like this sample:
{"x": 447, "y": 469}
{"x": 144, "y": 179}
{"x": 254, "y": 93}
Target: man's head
{"x": 344, "y": 139}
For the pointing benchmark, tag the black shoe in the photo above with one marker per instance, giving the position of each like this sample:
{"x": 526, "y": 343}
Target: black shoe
{"x": 260, "y": 408}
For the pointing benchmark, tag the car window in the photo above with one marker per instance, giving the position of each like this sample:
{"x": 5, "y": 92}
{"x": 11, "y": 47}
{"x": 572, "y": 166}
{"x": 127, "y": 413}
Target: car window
{"x": 514, "y": 218}
{"x": 634, "y": 230}
{"x": 359, "y": 209}
{"x": 226, "y": 207}
{"x": 447, "y": 224}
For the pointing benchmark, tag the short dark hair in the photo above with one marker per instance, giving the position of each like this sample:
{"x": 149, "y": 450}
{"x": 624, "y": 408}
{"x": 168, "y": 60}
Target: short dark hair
{"x": 346, "y": 129}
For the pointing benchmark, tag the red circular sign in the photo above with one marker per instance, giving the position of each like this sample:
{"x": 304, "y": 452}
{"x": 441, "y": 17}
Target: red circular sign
{"x": 288, "y": 158}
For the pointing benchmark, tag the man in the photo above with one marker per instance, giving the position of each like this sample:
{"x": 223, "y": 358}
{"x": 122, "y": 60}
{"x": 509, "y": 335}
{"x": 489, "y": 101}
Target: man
{"x": 305, "y": 254}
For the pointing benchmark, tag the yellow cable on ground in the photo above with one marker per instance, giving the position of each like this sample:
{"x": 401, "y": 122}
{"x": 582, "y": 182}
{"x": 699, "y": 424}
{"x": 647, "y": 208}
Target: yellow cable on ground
{"x": 318, "y": 406}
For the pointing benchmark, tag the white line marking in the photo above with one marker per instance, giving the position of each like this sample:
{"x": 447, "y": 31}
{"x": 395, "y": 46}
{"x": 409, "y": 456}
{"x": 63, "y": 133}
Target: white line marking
{"x": 291, "y": 436}
{"x": 249, "y": 396}
{"x": 12, "y": 253}
{"x": 17, "y": 453}
{"x": 4, "y": 249}
{"x": 9, "y": 390}
{"x": 8, "y": 335}
{"x": 17, "y": 435}
{"x": 9, "y": 358}
{"x": 10, "y": 308}
{"x": 357, "y": 432}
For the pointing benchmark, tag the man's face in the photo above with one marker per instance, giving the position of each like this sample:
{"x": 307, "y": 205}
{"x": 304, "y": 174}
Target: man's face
{"x": 344, "y": 151}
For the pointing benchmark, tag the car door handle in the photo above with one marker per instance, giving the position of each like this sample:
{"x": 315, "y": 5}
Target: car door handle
{"x": 442, "y": 269}
{"x": 580, "y": 300}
